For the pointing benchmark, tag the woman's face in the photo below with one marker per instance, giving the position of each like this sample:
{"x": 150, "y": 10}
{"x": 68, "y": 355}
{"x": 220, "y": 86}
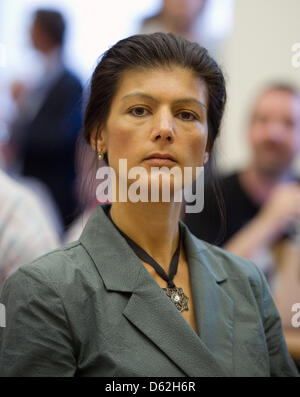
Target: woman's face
{"x": 155, "y": 112}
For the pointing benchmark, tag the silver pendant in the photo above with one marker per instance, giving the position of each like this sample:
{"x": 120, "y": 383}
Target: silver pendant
{"x": 178, "y": 297}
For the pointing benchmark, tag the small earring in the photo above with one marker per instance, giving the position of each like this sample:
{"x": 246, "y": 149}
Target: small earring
{"x": 206, "y": 157}
{"x": 100, "y": 155}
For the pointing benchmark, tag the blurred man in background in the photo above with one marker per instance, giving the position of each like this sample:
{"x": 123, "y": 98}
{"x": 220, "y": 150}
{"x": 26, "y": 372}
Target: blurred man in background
{"x": 45, "y": 131}
{"x": 189, "y": 19}
{"x": 262, "y": 202}
{"x": 177, "y": 16}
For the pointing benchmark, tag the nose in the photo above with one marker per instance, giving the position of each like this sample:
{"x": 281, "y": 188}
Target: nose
{"x": 163, "y": 126}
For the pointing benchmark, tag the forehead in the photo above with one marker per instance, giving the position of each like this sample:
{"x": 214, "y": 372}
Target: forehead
{"x": 278, "y": 103}
{"x": 163, "y": 84}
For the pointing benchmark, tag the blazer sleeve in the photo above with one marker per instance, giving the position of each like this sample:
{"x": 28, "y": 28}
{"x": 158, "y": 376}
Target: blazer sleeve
{"x": 37, "y": 339}
{"x": 281, "y": 363}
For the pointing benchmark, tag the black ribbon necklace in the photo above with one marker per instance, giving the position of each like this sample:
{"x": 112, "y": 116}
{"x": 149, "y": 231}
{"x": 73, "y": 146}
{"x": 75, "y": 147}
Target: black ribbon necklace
{"x": 176, "y": 295}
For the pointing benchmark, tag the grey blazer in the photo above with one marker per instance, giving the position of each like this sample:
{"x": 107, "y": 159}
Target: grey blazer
{"x": 92, "y": 309}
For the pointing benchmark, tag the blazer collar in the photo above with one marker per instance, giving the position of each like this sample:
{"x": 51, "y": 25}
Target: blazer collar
{"x": 151, "y": 311}
{"x": 106, "y": 246}
{"x": 115, "y": 260}
{"x": 197, "y": 249}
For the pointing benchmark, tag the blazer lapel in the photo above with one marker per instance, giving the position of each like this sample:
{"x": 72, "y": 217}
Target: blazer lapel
{"x": 213, "y": 307}
{"x": 149, "y": 309}
{"x": 152, "y": 312}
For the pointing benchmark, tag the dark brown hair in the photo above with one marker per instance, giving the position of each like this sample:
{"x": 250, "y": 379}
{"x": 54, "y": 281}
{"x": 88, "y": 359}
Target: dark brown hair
{"x": 151, "y": 51}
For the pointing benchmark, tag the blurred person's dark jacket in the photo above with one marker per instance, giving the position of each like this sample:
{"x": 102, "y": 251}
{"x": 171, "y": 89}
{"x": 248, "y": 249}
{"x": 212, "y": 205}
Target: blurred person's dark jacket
{"x": 45, "y": 143}
{"x": 217, "y": 225}
{"x": 239, "y": 209}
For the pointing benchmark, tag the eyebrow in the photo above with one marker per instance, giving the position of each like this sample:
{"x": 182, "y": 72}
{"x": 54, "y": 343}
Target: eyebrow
{"x": 146, "y": 96}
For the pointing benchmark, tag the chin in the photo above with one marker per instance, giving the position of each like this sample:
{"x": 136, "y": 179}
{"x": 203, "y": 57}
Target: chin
{"x": 154, "y": 189}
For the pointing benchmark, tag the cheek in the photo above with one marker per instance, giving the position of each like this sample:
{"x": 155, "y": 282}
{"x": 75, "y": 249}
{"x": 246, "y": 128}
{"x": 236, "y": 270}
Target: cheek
{"x": 292, "y": 145}
{"x": 195, "y": 151}
{"x": 255, "y": 136}
{"x": 120, "y": 142}
{"x": 295, "y": 140}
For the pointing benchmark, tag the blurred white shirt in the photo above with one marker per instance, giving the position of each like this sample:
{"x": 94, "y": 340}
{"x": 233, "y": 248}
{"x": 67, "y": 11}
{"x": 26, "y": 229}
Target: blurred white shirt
{"x": 25, "y": 231}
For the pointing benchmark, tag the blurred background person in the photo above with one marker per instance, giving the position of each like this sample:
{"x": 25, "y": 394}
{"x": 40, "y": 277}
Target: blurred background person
{"x": 262, "y": 201}
{"x": 25, "y": 231}
{"x": 44, "y": 133}
{"x": 177, "y": 16}
{"x": 184, "y": 17}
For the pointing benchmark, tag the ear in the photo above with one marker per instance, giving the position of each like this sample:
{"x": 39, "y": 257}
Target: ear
{"x": 97, "y": 140}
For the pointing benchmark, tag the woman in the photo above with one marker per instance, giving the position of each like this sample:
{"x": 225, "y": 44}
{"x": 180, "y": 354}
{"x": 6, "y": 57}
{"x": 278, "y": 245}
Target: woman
{"x": 107, "y": 304}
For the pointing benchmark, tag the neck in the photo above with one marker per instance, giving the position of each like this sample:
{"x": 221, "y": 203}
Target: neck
{"x": 52, "y": 51}
{"x": 259, "y": 184}
{"x": 153, "y": 226}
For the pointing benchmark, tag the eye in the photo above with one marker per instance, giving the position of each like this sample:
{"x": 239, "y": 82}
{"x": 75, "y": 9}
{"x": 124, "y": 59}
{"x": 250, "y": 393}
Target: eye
{"x": 138, "y": 111}
{"x": 187, "y": 116}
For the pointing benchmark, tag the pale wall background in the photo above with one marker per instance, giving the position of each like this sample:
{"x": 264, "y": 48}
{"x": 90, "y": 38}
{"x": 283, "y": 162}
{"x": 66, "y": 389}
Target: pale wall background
{"x": 258, "y": 51}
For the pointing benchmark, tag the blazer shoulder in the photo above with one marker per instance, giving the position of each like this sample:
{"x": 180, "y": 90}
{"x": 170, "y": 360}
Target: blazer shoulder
{"x": 232, "y": 265}
{"x": 59, "y": 267}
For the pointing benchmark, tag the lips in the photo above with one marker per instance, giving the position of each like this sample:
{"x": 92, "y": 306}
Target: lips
{"x": 160, "y": 160}
{"x": 163, "y": 156}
